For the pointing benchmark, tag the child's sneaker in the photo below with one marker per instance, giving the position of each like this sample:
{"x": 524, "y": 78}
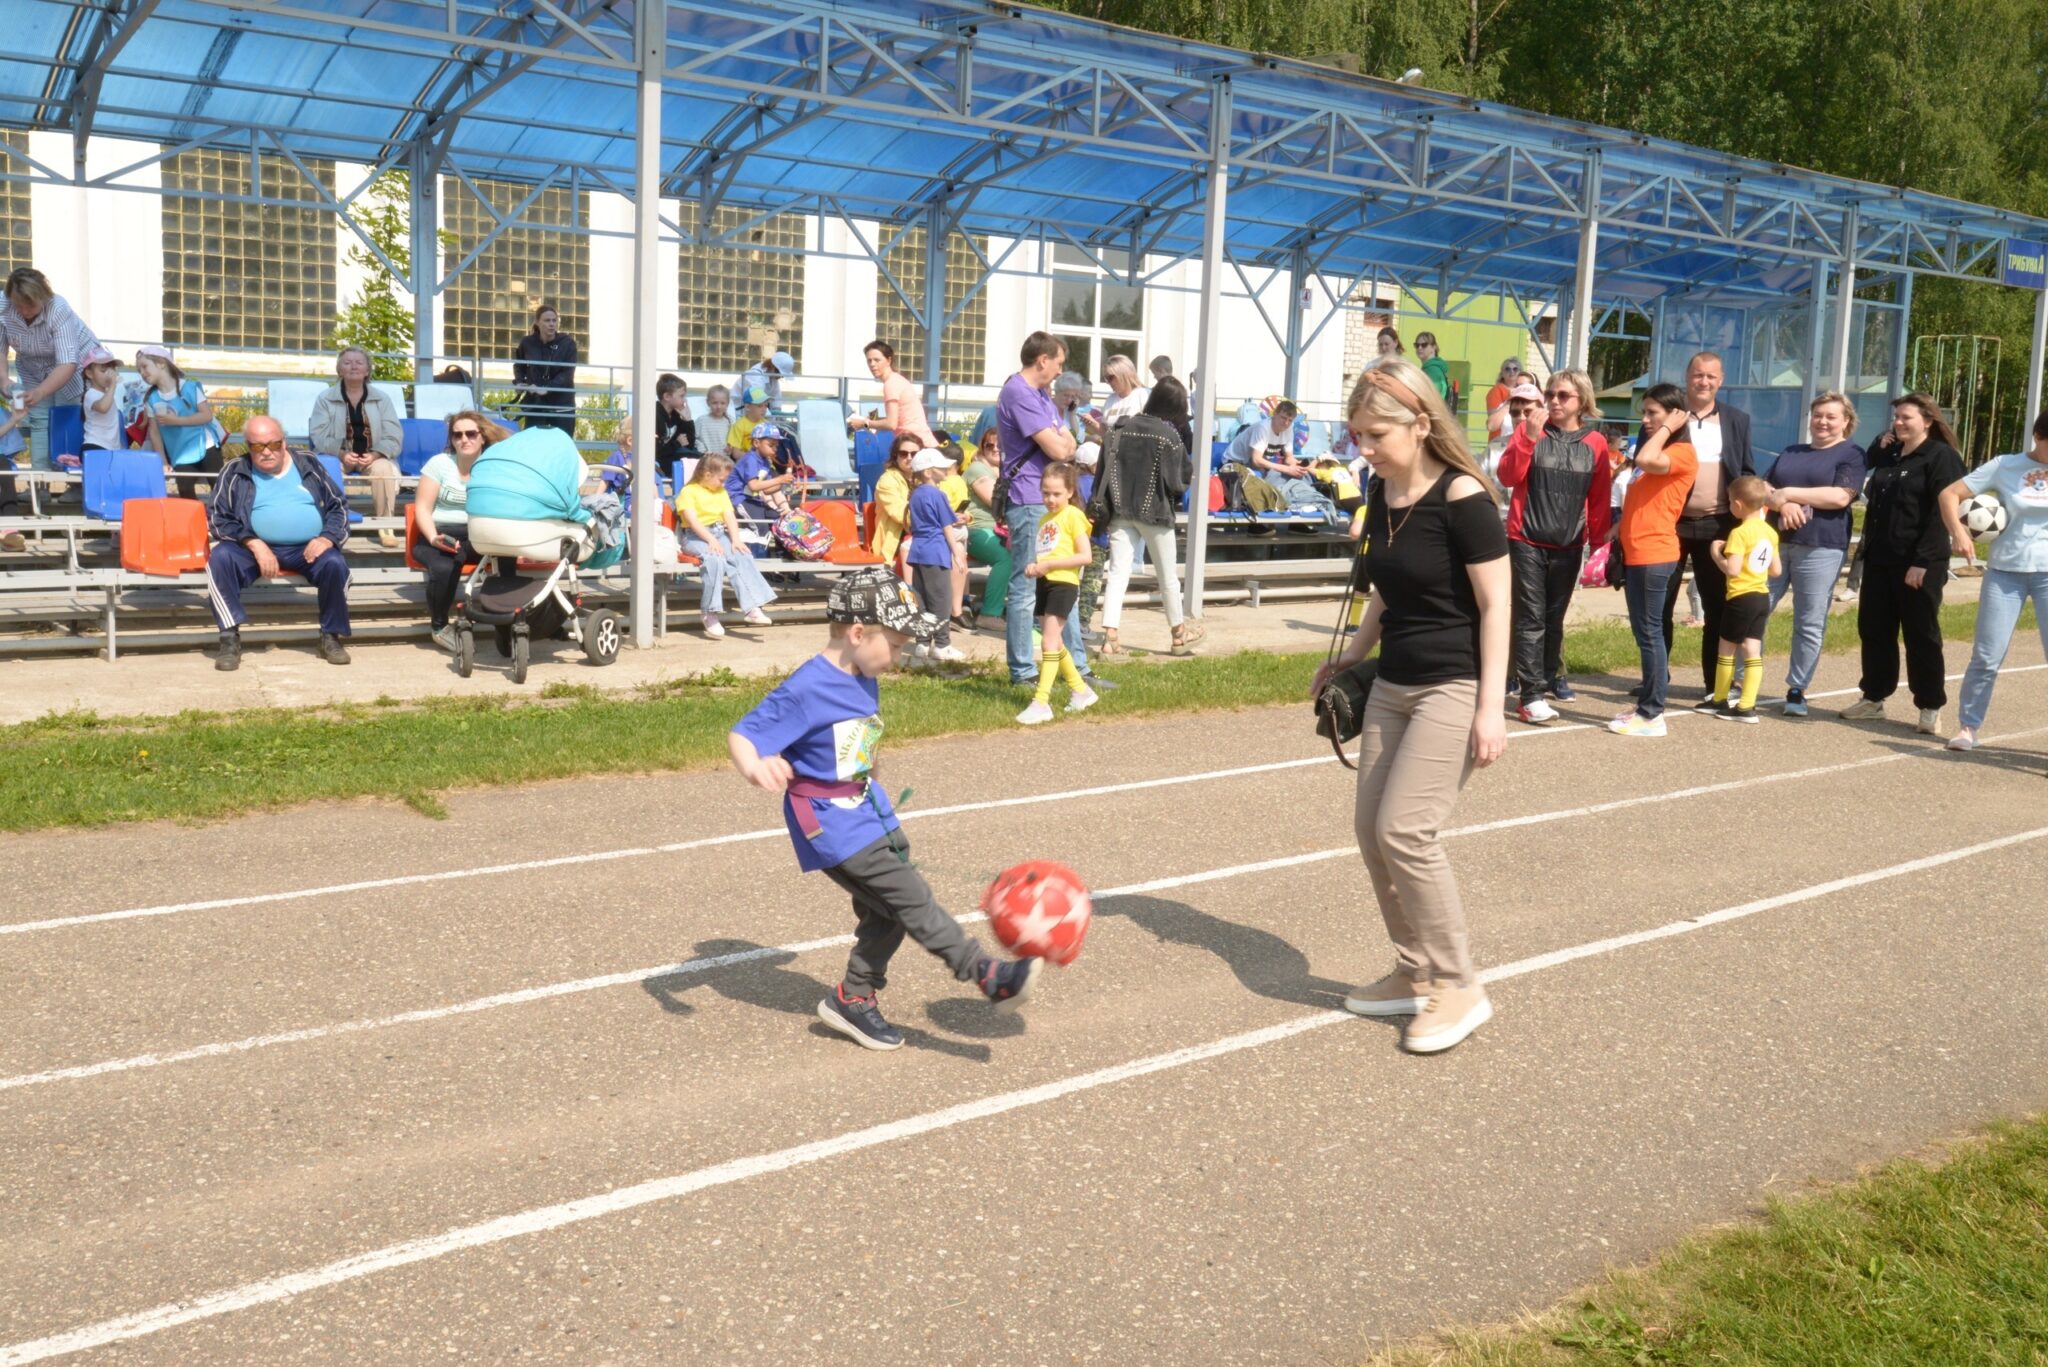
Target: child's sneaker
{"x": 1712, "y": 706}
{"x": 950, "y": 655}
{"x": 1732, "y": 712}
{"x": 1562, "y": 690}
{"x": 1536, "y": 712}
{"x": 714, "y": 628}
{"x": 1083, "y": 700}
{"x": 859, "y": 1019}
{"x": 757, "y": 618}
{"x": 1036, "y": 714}
{"x": 1007, "y": 982}
{"x": 1636, "y": 724}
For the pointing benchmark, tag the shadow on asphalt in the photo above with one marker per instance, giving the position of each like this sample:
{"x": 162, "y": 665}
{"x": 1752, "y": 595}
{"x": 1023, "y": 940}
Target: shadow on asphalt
{"x": 1263, "y": 962}
{"x": 767, "y": 984}
{"x": 1991, "y": 755}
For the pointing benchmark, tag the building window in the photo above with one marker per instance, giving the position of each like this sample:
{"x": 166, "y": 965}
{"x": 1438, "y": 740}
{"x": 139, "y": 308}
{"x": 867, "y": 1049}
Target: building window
{"x": 739, "y": 302}
{"x": 1094, "y": 313}
{"x": 246, "y": 276}
{"x": 489, "y": 307}
{"x": 964, "y": 348}
{"x": 16, "y": 246}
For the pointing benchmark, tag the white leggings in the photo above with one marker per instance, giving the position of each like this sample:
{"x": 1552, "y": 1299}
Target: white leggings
{"x": 1124, "y": 539}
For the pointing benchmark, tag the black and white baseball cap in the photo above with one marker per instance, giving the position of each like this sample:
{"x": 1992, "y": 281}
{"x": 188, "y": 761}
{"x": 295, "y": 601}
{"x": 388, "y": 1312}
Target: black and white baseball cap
{"x": 878, "y": 598}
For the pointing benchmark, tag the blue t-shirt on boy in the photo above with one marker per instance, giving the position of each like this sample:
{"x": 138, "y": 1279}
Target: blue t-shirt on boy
{"x": 930, "y": 515}
{"x": 828, "y": 725}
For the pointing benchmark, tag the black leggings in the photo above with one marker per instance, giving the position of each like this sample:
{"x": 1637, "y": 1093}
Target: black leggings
{"x": 1696, "y": 536}
{"x": 444, "y": 576}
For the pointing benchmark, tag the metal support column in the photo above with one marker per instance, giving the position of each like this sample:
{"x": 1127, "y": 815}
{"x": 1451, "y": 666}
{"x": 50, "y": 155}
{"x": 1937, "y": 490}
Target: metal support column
{"x": 2030, "y": 407}
{"x": 424, "y": 219}
{"x": 934, "y": 304}
{"x": 1583, "y": 318}
{"x": 651, "y": 41}
{"x": 1845, "y": 312}
{"x": 1816, "y": 337}
{"x": 1902, "y": 334}
{"x": 1206, "y": 345}
{"x": 1297, "y": 277}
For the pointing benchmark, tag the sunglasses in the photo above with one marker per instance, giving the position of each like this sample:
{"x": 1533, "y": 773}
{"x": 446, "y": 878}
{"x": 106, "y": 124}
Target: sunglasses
{"x": 1560, "y": 395}
{"x": 266, "y": 446}
{"x": 467, "y": 434}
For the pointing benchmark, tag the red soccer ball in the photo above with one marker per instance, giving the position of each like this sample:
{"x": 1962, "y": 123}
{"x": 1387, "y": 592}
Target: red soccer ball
{"x": 1039, "y": 910}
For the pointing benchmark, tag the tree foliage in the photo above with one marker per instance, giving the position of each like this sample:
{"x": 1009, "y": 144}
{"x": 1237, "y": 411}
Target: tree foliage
{"x": 375, "y": 319}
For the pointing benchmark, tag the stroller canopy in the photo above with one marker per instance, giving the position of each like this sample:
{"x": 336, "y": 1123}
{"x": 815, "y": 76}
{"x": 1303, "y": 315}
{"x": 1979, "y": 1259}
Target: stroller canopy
{"x": 529, "y": 476}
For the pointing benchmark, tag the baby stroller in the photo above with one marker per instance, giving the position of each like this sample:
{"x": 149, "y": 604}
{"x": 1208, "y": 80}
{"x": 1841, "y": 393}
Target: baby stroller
{"x": 526, "y": 585}
{"x": 533, "y": 536}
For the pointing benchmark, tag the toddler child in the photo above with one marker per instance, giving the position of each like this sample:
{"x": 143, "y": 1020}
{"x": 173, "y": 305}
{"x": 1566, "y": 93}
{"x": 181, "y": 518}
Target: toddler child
{"x": 1062, "y": 551}
{"x": 931, "y": 555}
{"x": 1749, "y": 557}
{"x": 813, "y": 740}
{"x": 716, "y": 424}
{"x": 102, "y": 420}
{"x": 711, "y": 532}
{"x": 758, "y": 489}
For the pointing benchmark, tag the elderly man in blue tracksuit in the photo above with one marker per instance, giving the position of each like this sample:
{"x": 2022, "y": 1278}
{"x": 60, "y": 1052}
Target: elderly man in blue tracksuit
{"x": 276, "y": 511}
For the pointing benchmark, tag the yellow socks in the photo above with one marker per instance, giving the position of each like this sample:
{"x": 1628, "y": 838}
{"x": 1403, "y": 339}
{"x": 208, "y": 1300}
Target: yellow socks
{"x": 1752, "y": 681}
{"x": 1048, "y": 670}
{"x": 1070, "y": 674}
{"x": 1724, "y": 678}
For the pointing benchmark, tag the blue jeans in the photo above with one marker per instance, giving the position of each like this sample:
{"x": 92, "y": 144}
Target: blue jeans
{"x": 1018, "y": 618}
{"x": 729, "y": 566}
{"x": 2000, "y": 601}
{"x": 1645, "y": 588}
{"x": 1810, "y": 573}
{"x": 1301, "y": 493}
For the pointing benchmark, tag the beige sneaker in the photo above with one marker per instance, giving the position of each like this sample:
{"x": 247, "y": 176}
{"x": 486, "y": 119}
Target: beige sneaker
{"x": 1864, "y": 709}
{"x": 1450, "y": 1015}
{"x": 1397, "y": 994}
{"x": 1930, "y": 721}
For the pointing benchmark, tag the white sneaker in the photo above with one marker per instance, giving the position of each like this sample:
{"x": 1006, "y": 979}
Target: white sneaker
{"x": 713, "y": 628}
{"x": 1845, "y": 596}
{"x": 1930, "y": 721}
{"x": 1450, "y": 1015}
{"x": 757, "y": 618}
{"x": 1863, "y": 709}
{"x": 951, "y": 655}
{"x": 1035, "y": 714}
{"x": 1965, "y": 739}
{"x": 1536, "y": 713}
{"x": 1636, "y": 724}
{"x": 1083, "y": 700}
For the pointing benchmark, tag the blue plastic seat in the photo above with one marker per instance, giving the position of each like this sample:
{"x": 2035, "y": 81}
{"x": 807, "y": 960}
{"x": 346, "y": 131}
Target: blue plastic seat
{"x": 333, "y": 464}
{"x": 114, "y": 477}
{"x": 424, "y": 439}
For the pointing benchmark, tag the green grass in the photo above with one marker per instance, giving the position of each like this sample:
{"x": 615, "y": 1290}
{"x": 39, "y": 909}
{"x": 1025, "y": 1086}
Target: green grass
{"x": 1911, "y": 1266}
{"x": 81, "y": 769}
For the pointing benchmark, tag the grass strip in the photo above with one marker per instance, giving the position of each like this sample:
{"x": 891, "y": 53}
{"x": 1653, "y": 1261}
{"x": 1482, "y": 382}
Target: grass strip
{"x": 82, "y": 769}
{"x": 1942, "y": 1265}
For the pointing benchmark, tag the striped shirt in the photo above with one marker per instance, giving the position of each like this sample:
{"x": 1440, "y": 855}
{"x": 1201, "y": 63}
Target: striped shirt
{"x": 57, "y": 337}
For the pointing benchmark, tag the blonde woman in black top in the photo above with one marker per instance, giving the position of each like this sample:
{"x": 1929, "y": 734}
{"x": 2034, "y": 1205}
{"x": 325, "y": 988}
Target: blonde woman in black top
{"x": 1439, "y": 615}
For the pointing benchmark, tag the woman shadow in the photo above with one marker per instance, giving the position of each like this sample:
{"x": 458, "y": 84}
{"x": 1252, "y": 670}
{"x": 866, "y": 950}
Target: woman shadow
{"x": 1263, "y": 962}
{"x": 766, "y": 983}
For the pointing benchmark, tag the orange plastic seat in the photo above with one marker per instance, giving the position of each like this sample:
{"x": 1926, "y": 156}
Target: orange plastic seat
{"x": 674, "y": 524}
{"x": 413, "y": 539}
{"x": 838, "y": 518}
{"x": 165, "y": 536}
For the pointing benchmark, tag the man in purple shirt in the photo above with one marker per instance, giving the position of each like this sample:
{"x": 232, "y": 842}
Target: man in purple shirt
{"x": 1032, "y": 433}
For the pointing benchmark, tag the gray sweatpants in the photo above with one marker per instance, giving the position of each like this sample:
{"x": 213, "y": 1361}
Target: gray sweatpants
{"x": 892, "y": 898}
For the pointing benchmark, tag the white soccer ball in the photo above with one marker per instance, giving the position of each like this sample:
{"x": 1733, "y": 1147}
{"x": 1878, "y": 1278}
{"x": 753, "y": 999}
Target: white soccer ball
{"x": 1983, "y": 515}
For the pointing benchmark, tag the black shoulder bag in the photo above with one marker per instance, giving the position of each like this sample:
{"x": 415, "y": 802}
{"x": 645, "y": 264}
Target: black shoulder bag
{"x": 1340, "y": 706}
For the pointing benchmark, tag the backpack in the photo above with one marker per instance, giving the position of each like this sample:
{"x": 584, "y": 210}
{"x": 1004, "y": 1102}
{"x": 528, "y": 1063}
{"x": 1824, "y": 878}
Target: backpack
{"x": 801, "y": 535}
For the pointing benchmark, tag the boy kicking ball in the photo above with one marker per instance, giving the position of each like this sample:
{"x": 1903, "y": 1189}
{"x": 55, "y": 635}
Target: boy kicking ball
{"x": 813, "y": 740}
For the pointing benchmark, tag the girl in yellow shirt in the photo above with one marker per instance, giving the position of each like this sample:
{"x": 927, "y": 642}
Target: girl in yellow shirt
{"x": 1062, "y": 553}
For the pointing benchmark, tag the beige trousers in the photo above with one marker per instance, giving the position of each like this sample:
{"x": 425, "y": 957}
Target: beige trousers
{"x": 1415, "y": 753}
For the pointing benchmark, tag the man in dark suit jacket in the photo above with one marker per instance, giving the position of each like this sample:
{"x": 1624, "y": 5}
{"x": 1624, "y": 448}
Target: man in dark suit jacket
{"x": 1720, "y": 435}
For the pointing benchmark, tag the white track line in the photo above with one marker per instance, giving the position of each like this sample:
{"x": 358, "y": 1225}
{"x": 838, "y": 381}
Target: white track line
{"x": 630, "y": 977}
{"x": 544, "y": 1218}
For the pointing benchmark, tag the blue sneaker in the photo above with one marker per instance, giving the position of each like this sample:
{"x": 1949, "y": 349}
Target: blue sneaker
{"x": 1795, "y": 704}
{"x": 1561, "y": 690}
{"x": 859, "y": 1019}
{"x": 1007, "y": 982}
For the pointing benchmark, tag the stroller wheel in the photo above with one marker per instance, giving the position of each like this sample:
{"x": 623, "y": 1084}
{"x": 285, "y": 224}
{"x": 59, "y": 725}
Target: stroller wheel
{"x": 601, "y": 636}
{"x": 465, "y": 650}
{"x": 522, "y": 653}
{"x": 504, "y": 637}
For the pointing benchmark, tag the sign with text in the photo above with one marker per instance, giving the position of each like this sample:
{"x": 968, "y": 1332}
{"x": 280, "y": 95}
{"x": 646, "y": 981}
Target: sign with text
{"x": 2024, "y": 264}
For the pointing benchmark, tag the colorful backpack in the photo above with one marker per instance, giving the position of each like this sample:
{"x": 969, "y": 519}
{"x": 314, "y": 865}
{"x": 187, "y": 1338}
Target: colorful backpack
{"x": 801, "y": 535}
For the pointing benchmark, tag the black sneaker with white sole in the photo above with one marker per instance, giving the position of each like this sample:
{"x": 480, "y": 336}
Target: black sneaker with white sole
{"x": 1734, "y": 713}
{"x": 1007, "y": 982}
{"x": 859, "y": 1019}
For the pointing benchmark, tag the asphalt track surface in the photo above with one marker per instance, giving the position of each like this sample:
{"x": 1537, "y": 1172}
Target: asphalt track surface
{"x": 542, "y": 1081}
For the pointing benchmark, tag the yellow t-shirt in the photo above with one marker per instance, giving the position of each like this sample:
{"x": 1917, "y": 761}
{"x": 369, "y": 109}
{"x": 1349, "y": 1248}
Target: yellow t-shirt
{"x": 711, "y": 503}
{"x": 741, "y": 436}
{"x": 955, "y": 490}
{"x": 1756, "y": 542}
{"x": 1060, "y": 536}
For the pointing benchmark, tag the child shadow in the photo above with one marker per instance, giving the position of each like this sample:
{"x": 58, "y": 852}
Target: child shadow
{"x": 1263, "y": 962}
{"x": 765, "y": 983}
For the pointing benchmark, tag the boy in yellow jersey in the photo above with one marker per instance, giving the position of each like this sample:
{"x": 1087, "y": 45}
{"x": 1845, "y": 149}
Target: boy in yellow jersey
{"x": 1063, "y": 552}
{"x": 1749, "y": 557}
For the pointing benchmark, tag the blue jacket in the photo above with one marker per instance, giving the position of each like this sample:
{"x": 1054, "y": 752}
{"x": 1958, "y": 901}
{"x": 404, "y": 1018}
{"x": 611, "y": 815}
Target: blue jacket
{"x": 234, "y": 497}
